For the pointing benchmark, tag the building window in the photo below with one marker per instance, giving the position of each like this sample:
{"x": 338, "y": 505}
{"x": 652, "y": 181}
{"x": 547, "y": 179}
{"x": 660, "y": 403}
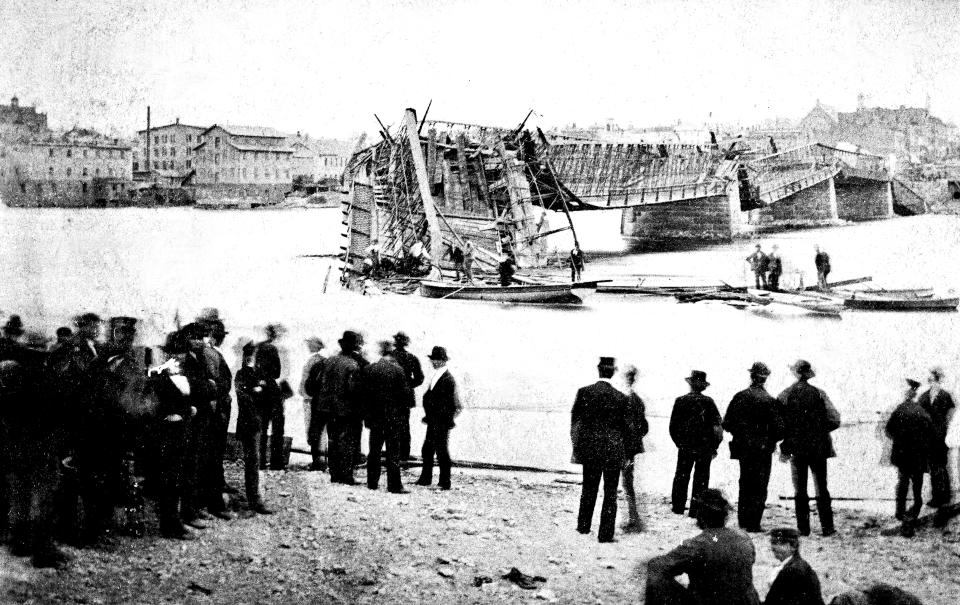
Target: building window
{"x": 156, "y": 152}
{"x": 136, "y": 166}
{"x": 84, "y": 153}
{"x": 83, "y": 187}
{"x": 164, "y": 164}
{"x": 51, "y": 152}
{"x": 188, "y": 163}
{"x": 216, "y": 158}
{"x": 84, "y": 172}
{"x": 53, "y": 186}
{"x": 96, "y": 172}
{"x": 216, "y": 142}
{"x": 173, "y": 151}
{"x": 156, "y": 165}
{"x": 164, "y": 138}
{"x": 110, "y": 171}
{"x": 23, "y": 188}
{"x": 173, "y": 138}
{"x": 244, "y": 173}
{"x": 50, "y": 171}
{"x": 69, "y": 152}
{"x": 69, "y": 171}
{"x": 156, "y": 140}
{"x": 122, "y": 155}
{"x": 186, "y": 151}
{"x": 189, "y": 137}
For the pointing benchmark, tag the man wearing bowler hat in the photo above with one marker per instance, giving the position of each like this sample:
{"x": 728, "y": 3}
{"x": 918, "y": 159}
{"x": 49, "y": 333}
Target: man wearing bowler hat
{"x": 411, "y": 368}
{"x": 695, "y": 427}
{"x": 599, "y": 429}
{"x": 338, "y": 399}
{"x": 753, "y": 420}
{"x": 808, "y": 419}
{"x": 441, "y": 404}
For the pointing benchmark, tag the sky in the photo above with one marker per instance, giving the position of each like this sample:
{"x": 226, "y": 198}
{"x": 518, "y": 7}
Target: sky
{"x": 327, "y": 67}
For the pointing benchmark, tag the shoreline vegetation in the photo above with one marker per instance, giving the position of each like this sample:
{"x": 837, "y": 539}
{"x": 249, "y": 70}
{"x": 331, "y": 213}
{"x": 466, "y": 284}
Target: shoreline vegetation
{"x": 347, "y": 544}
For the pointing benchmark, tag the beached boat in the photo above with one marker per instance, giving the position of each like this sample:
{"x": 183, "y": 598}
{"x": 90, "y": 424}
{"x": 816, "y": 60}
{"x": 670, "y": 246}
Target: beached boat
{"x": 621, "y": 288}
{"x": 821, "y": 305}
{"x": 900, "y": 303}
{"x": 893, "y": 292}
{"x": 517, "y": 293}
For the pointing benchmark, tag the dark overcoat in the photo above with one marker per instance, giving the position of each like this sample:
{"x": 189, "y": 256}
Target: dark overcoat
{"x": 695, "y": 423}
{"x": 796, "y": 584}
{"x": 337, "y": 386}
{"x": 599, "y": 425}
{"x": 441, "y": 403}
{"x": 939, "y": 410}
{"x": 808, "y": 419}
{"x": 383, "y": 393}
{"x": 753, "y": 421}
{"x": 911, "y": 430}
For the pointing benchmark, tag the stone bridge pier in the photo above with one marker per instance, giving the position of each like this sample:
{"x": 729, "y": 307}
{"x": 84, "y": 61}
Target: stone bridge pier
{"x": 863, "y": 199}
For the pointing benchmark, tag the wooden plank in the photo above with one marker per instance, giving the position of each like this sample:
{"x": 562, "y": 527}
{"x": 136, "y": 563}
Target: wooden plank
{"x": 845, "y": 282}
{"x": 423, "y": 182}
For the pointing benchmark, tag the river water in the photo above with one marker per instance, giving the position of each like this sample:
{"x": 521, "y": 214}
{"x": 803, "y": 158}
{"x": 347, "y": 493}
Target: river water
{"x": 518, "y": 367}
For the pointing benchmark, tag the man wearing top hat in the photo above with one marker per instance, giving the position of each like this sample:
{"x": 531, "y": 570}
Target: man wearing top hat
{"x": 808, "y": 419}
{"x": 412, "y": 370}
{"x": 795, "y": 583}
{"x": 938, "y": 403}
{"x": 441, "y": 404}
{"x": 600, "y": 428}
{"x": 753, "y": 421}
{"x": 718, "y": 562}
{"x": 911, "y": 429}
{"x": 338, "y": 399}
{"x": 695, "y": 427}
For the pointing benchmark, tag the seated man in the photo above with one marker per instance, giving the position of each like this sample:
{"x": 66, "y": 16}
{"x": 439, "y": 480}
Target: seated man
{"x": 719, "y": 562}
{"x": 796, "y": 582}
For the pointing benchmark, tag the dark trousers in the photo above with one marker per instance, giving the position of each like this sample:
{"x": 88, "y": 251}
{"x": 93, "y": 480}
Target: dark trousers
{"x": 250, "y": 441}
{"x": 761, "y": 278}
{"x": 699, "y": 463}
{"x": 907, "y": 475}
{"x": 276, "y": 419}
{"x": 340, "y": 449}
{"x": 588, "y": 499}
{"x": 356, "y": 438}
{"x": 774, "y": 282}
{"x": 218, "y": 442}
{"x": 33, "y": 487}
{"x": 100, "y": 472}
{"x": 379, "y": 435}
{"x": 940, "y": 481}
{"x": 405, "y": 434}
{"x": 818, "y": 467}
{"x": 211, "y": 481}
{"x": 754, "y": 478}
{"x": 195, "y": 466}
{"x": 171, "y": 449}
{"x": 436, "y": 442}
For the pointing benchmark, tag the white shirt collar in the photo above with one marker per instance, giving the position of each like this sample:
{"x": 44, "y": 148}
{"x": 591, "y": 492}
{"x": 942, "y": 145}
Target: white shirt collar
{"x": 606, "y": 380}
{"x": 436, "y": 376}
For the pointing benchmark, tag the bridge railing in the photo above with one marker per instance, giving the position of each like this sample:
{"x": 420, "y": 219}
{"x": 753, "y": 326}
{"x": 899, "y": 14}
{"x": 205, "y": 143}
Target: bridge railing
{"x": 623, "y": 197}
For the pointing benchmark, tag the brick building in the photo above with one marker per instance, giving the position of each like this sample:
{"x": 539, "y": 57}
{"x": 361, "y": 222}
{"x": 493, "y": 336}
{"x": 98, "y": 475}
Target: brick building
{"x": 236, "y": 162}
{"x": 76, "y": 168}
{"x": 171, "y": 148}
{"x": 17, "y": 120}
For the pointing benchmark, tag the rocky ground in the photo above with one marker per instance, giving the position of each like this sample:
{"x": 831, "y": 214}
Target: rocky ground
{"x": 330, "y": 544}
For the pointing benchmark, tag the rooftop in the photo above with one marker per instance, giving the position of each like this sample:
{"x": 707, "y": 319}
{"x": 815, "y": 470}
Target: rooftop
{"x": 249, "y": 131}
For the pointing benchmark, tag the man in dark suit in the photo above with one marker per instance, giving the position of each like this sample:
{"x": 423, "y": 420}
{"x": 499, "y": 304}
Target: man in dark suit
{"x": 441, "y": 404}
{"x": 600, "y": 428}
{"x": 270, "y": 367}
{"x": 938, "y": 403}
{"x": 753, "y": 420}
{"x": 219, "y": 371}
{"x": 808, "y": 419}
{"x": 251, "y": 410}
{"x": 338, "y": 399}
{"x": 695, "y": 427}
{"x": 911, "y": 429}
{"x": 796, "y": 582}
{"x": 383, "y": 394}
{"x": 718, "y": 562}
{"x": 411, "y": 368}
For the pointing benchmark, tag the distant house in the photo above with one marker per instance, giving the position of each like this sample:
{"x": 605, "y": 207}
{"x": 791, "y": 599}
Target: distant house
{"x": 318, "y": 160}
{"x": 820, "y": 124}
{"x": 241, "y": 162}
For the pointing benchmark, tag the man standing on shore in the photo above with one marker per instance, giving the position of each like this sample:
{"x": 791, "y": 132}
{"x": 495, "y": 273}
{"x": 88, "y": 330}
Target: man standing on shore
{"x": 271, "y": 369}
{"x": 414, "y": 374}
{"x": 938, "y": 403}
{"x": 758, "y": 264}
{"x": 911, "y": 429}
{"x": 822, "y": 262}
{"x": 441, "y": 404}
{"x": 695, "y": 427}
{"x": 808, "y": 419}
{"x": 316, "y": 419}
{"x": 753, "y": 421}
{"x": 337, "y": 396}
{"x": 251, "y": 410}
{"x": 576, "y": 263}
{"x": 383, "y": 394}
{"x": 637, "y": 418}
{"x": 599, "y": 429}
{"x": 468, "y": 255}
{"x": 219, "y": 372}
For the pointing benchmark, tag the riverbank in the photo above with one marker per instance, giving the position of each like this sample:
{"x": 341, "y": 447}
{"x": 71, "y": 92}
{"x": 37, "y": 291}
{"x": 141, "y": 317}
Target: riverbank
{"x": 341, "y": 544}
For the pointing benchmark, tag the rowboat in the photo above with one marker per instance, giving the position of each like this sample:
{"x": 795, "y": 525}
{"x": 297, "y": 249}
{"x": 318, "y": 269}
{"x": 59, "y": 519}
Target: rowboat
{"x": 900, "y": 303}
{"x": 893, "y": 292}
{"x": 814, "y": 304}
{"x": 516, "y": 293}
{"x": 615, "y": 288}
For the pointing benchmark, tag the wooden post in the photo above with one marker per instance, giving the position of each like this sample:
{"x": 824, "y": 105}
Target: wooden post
{"x": 423, "y": 182}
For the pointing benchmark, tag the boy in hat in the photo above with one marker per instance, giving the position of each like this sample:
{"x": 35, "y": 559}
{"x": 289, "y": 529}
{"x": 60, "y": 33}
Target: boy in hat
{"x": 414, "y": 373}
{"x": 808, "y": 419}
{"x": 718, "y": 562}
{"x": 599, "y": 428}
{"x": 911, "y": 429}
{"x": 251, "y": 410}
{"x": 441, "y": 404}
{"x": 753, "y": 421}
{"x": 695, "y": 427}
{"x": 795, "y": 583}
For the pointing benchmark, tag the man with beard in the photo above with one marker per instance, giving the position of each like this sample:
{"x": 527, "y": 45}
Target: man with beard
{"x": 414, "y": 374}
{"x": 753, "y": 421}
{"x": 382, "y": 389}
{"x": 338, "y": 397}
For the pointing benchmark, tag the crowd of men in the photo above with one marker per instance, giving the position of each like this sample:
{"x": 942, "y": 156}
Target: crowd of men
{"x": 607, "y": 427}
{"x": 90, "y": 426}
{"x": 768, "y": 267}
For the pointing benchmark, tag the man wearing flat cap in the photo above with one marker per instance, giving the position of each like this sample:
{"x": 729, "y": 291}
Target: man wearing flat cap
{"x": 795, "y": 583}
{"x": 718, "y": 562}
{"x": 695, "y": 427}
{"x": 600, "y": 429}
{"x": 911, "y": 430}
{"x": 441, "y": 404}
{"x": 412, "y": 370}
{"x": 753, "y": 421}
{"x": 808, "y": 419}
{"x": 338, "y": 399}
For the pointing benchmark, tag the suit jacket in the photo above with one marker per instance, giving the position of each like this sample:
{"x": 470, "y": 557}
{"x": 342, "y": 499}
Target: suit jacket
{"x": 939, "y": 410}
{"x": 695, "y": 423}
{"x": 337, "y": 386}
{"x": 719, "y": 564}
{"x": 219, "y": 372}
{"x": 753, "y": 420}
{"x": 913, "y": 435}
{"x": 637, "y": 418}
{"x": 796, "y": 584}
{"x": 808, "y": 419}
{"x": 441, "y": 403}
{"x": 268, "y": 360}
{"x": 411, "y": 367}
{"x": 251, "y": 404}
{"x": 599, "y": 425}
{"x": 383, "y": 393}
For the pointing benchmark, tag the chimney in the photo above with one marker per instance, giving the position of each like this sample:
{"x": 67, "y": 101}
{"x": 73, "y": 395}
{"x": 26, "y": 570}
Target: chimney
{"x": 178, "y": 120}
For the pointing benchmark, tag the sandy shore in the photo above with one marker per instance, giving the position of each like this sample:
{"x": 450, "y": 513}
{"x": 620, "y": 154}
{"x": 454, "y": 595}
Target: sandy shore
{"x": 349, "y": 544}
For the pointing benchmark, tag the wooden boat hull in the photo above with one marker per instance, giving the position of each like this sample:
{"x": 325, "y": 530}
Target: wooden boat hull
{"x": 615, "y": 288}
{"x": 821, "y": 305}
{"x": 527, "y": 293}
{"x": 875, "y": 303}
{"x": 893, "y": 293}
